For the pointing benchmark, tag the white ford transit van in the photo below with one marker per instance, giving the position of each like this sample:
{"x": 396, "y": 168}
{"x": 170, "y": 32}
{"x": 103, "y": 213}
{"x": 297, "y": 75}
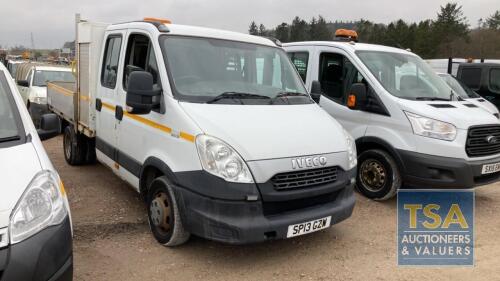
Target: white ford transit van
{"x": 35, "y": 223}
{"x": 410, "y": 128}
{"x": 215, "y": 129}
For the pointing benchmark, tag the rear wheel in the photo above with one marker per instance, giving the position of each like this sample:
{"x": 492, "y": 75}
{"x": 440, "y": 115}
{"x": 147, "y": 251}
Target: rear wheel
{"x": 164, "y": 217}
{"x": 74, "y": 147}
{"x": 378, "y": 175}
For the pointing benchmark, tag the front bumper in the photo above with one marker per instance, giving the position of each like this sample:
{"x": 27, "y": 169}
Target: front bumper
{"x": 36, "y": 111}
{"x": 429, "y": 171}
{"x": 48, "y": 255}
{"x": 244, "y": 222}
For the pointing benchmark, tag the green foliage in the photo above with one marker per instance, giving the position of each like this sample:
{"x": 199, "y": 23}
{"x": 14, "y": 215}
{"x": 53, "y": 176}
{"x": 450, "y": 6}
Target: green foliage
{"x": 253, "y": 30}
{"x": 493, "y": 22}
{"x": 448, "y": 34}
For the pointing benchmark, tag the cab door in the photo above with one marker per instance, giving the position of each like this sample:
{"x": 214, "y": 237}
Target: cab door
{"x": 136, "y": 132}
{"x": 336, "y": 72}
{"x": 24, "y": 91}
{"x": 107, "y": 97}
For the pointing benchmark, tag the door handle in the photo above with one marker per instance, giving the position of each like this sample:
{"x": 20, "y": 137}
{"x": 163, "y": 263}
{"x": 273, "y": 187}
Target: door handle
{"x": 98, "y": 105}
{"x": 119, "y": 113}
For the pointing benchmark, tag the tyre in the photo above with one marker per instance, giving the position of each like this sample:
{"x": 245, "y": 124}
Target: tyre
{"x": 163, "y": 214}
{"x": 378, "y": 175}
{"x": 74, "y": 147}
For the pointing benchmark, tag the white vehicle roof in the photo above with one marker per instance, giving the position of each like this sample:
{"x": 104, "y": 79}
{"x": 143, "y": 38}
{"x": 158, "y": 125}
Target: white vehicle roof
{"x": 351, "y": 46}
{"x": 196, "y": 31}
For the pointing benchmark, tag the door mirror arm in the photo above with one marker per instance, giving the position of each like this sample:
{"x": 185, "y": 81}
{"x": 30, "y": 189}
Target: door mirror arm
{"x": 316, "y": 91}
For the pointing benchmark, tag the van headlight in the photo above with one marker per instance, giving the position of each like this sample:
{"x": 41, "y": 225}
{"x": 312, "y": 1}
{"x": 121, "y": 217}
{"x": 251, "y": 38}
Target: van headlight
{"x": 431, "y": 128}
{"x": 220, "y": 159}
{"x": 351, "y": 150}
{"x": 42, "y": 205}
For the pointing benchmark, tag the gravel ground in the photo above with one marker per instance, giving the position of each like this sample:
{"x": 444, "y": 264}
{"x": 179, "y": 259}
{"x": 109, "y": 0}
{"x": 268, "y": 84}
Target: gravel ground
{"x": 112, "y": 241}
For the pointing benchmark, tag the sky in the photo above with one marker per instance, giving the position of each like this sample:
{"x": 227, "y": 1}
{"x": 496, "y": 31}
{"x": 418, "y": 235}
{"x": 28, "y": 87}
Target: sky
{"x": 52, "y": 21}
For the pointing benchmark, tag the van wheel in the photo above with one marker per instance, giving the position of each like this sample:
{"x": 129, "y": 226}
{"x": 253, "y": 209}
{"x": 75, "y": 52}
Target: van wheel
{"x": 74, "y": 147}
{"x": 378, "y": 175}
{"x": 163, "y": 214}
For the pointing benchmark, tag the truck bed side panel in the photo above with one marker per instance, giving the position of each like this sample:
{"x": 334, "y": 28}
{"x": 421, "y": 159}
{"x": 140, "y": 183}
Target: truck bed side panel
{"x": 60, "y": 98}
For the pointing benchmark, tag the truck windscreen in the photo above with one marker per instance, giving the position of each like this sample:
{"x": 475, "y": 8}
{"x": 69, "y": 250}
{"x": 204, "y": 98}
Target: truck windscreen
{"x": 405, "y": 76}
{"x": 203, "y": 69}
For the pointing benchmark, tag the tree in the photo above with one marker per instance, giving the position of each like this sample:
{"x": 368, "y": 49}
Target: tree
{"x": 493, "y": 22}
{"x": 321, "y": 32}
{"x": 450, "y": 25}
{"x": 299, "y": 30}
{"x": 262, "y": 30}
{"x": 253, "y": 30}
{"x": 282, "y": 32}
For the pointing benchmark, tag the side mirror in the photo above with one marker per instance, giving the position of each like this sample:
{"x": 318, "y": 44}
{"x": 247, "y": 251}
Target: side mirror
{"x": 316, "y": 91}
{"x": 23, "y": 83}
{"x": 49, "y": 126}
{"x": 357, "y": 96}
{"x": 140, "y": 92}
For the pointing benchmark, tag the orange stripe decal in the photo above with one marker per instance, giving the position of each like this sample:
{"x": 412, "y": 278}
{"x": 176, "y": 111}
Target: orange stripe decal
{"x": 168, "y": 130}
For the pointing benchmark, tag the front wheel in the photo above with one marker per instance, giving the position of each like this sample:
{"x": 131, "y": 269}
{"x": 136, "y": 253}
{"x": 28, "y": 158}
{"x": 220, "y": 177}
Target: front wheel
{"x": 378, "y": 175}
{"x": 163, "y": 214}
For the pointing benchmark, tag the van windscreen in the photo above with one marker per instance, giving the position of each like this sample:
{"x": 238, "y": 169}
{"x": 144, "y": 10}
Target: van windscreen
{"x": 405, "y": 76}
{"x": 202, "y": 69}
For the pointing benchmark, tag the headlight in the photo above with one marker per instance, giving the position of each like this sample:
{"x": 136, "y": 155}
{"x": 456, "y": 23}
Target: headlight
{"x": 351, "y": 150}
{"x": 42, "y": 205}
{"x": 220, "y": 159}
{"x": 431, "y": 128}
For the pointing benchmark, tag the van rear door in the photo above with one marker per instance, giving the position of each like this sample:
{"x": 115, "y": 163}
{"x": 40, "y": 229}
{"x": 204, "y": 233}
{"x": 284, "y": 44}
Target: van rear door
{"x": 107, "y": 96}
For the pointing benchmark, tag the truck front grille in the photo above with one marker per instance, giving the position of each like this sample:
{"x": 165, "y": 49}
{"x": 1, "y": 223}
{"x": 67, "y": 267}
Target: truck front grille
{"x": 483, "y": 141}
{"x": 305, "y": 178}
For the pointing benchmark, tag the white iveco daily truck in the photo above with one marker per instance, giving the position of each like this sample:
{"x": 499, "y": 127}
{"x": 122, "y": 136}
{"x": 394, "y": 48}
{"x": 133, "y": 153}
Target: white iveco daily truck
{"x": 214, "y": 129}
{"x": 411, "y": 129}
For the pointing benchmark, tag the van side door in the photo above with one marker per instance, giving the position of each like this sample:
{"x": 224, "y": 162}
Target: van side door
{"x": 106, "y": 99}
{"x": 337, "y": 71}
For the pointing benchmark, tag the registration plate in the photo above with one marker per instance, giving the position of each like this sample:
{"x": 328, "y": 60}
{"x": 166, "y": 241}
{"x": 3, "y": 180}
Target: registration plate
{"x": 308, "y": 227}
{"x": 491, "y": 168}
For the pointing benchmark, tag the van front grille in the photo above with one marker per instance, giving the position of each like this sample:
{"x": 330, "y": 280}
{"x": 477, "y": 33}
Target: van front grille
{"x": 305, "y": 178}
{"x": 483, "y": 141}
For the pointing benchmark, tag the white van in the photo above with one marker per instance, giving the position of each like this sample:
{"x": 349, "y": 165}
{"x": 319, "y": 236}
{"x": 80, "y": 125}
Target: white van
{"x": 35, "y": 222}
{"x": 409, "y": 127}
{"x": 33, "y": 87}
{"x": 213, "y": 128}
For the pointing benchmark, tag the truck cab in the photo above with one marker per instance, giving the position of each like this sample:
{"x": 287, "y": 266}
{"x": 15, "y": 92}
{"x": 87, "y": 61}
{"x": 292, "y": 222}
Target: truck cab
{"x": 483, "y": 78}
{"x": 213, "y": 128}
{"x": 411, "y": 130}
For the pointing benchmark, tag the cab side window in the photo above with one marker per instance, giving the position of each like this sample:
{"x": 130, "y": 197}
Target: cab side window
{"x": 333, "y": 74}
{"x": 140, "y": 56}
{"x": 110, "y": 61}
{"x": 300, "y": 60}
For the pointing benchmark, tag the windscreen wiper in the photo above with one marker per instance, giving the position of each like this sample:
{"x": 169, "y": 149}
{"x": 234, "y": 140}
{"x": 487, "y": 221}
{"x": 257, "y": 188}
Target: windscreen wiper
{"x": 236, "y": 95}
{"x": 287, "y": 94}
{"x": 7, "y": 139}
{"x": 431, "y": 99}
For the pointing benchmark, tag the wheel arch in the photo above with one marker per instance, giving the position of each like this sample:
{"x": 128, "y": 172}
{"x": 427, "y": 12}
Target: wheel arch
{"x": 152, "y": 168}
{"x": 368, "y": 143}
